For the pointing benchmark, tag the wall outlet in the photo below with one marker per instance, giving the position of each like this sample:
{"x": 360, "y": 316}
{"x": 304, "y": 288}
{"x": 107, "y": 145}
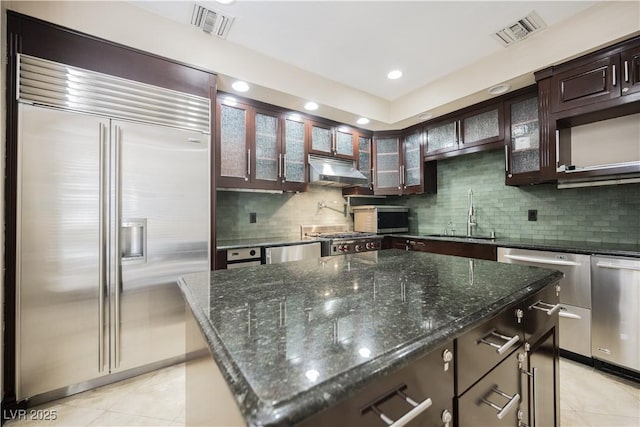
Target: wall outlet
{"x": 533, "y": 215}
{"x": 252, "y": 218}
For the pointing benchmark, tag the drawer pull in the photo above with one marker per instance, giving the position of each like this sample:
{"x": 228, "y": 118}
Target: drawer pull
{"x": 500, "y": 349}
{"x": 417, "y": 408}
{"x": 502, "y": 410}
{"x": 550, "y": 309}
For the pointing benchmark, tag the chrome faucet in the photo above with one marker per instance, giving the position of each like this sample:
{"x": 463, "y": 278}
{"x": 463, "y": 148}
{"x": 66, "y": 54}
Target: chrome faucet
{"x": 470, "y": 222}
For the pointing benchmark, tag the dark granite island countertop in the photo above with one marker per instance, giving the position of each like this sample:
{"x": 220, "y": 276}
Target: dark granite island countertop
{"x": 292, "y": 339}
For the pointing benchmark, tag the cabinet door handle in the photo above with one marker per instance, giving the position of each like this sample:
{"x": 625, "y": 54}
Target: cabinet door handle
{"x": 373, "y": 177}
{"x": 284, "y": 167}
{"x": 613, "y": 75}
{"x": 500, "y": 349}
{"x": 506, "y": 158}
{"x": 502, "y": 410}
{"x": 626, "y": 71}
{"x": 417, "y": 408}
{"x": 568, "y": 315}
{"x": 246, "y": 178}
{"x": 550, "y": 309}
{"x": 280, "y": 165}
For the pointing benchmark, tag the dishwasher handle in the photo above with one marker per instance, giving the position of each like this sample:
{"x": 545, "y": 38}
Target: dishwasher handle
{"x": 539, "y": 260}
{"x": 618, "y": 267}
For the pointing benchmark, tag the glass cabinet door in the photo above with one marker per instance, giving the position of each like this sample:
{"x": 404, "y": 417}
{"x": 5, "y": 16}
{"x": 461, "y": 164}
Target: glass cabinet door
{"x": 267, "y": 167}
{"x": 364, "y": 158}
{"x": 344, "y": 143}
{"x": 234, "y": 150}
{"x": 442, "y": 137}
{"x": 524, "y": 155}
{"x": 412, "y": 156}
{"x": 321, "y": 139}
{"x": 482, "y": 127}
{"x": 387, "y": 167}
{"x": 294, "y": 155}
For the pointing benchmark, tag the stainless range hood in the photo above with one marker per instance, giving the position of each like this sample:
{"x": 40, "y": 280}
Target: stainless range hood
{"x": 334, "y": 172}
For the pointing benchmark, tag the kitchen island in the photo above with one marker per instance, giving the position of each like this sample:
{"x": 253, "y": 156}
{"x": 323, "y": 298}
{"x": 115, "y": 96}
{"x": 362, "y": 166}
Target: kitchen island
{"x": 291, "y": 341}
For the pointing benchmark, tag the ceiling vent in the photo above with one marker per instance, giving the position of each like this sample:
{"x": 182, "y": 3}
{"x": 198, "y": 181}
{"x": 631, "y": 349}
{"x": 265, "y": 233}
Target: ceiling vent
{"x": 520, "y": 29}
{"x": 211, "y": 21}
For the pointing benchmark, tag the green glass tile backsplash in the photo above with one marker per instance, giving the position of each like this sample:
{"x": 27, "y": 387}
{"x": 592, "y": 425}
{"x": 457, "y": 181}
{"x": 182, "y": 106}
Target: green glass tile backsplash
{"x": 599, "y": 214}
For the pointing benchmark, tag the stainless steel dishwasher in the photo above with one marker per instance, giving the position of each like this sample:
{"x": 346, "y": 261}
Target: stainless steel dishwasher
{"x": 575, "y": 294}
{"x": 278, "y": 254}
{"x": 616, "y": 310}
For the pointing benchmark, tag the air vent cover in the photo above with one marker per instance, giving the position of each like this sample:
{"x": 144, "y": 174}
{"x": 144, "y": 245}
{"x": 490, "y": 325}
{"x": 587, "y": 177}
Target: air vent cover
{"x": 520, "y": 29}
{"x": 211, "y": 21}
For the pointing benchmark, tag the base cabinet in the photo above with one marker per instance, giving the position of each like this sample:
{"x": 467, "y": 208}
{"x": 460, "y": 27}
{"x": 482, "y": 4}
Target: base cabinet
{"x": 541, "y": 377}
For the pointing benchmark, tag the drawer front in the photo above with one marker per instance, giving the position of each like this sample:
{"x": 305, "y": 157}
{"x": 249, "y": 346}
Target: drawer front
{"x": 541, "y": 313}
{"x": 423, "y": 379}
{"x": 495, "y": 400}
{"x": 482, "y": 348}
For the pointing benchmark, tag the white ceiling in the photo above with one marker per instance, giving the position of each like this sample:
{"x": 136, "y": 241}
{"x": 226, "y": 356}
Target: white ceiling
{"x": 356, "y": 43}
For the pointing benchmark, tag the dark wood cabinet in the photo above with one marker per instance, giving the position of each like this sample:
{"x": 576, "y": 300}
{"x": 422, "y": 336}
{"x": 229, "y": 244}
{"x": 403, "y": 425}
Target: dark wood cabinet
{"x": 522, "y": 140}
{"x": 444, "y": 247}
{"x": 477, "y": 128}
{"x": 630, "y": 69}
{"x": 335, "y": 141}
{"x": 483, "y": 126}
{"x": 586, "y": 84}
{"x": 364, "y": 144}
{"x": 259, "y": 149}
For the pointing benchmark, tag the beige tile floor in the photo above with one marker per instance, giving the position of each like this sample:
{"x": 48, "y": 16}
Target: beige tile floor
{"x": 589, "y": 398}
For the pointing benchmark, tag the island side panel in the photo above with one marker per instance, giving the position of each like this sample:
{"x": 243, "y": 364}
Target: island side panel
{"x": 209, "y": 402}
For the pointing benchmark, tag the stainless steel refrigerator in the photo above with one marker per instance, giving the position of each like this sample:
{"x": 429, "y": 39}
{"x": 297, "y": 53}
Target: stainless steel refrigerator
{"x": 110, "y": 212}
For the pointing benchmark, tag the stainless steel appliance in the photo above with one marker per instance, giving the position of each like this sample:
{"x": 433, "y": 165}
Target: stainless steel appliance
{"x": 381, "y": 219}
{"x": 110, "y": 213}
{"x": 337, "y": 240}
{"x": 616, "y": 310}
{"x": 278, "y": 254}
{"x": 243, "y": 257}
{"x": 333, "y": 172}
{"x": 575, "y": 295}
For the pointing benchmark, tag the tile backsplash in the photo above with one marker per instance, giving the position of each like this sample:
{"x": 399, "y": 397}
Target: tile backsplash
{"x": 277, "y": 215}
{"x": 599, "y": 214}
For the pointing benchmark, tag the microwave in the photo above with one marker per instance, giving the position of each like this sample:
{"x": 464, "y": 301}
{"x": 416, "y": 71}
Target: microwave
{"x": 381, "y": 219}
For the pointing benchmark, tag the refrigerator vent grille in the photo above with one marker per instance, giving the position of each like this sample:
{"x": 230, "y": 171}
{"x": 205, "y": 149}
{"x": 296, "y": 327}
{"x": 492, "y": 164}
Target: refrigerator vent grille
{"x": 63, "y": 86}
{"x": 520, "y": 30}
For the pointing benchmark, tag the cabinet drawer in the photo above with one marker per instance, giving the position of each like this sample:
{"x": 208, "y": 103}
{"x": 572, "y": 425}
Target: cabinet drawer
{"x": 423, "y": 379}
{"x": 541, "y": 312}
{"x": 482, "y": 348}
{"x": 495, "y": 400}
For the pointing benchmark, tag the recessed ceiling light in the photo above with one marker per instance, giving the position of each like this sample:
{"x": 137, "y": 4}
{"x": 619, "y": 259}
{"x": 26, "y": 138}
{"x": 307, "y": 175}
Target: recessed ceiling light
{"x": 395, "y": 74}
{"x": 498, "y": 89}
{"x": 425, "y": 116}
{"x": 362, "y": 121}
{"x": 240, "y": 86}
{"x": 225, "y": 1}
{"x": 311, "y": 106}
{"x": 230, "y": 100}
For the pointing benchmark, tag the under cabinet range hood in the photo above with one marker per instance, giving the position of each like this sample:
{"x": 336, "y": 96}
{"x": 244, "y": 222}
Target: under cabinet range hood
{"x": 334, "y": 172}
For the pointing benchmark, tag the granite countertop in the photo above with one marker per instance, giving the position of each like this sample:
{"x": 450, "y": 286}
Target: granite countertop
{"x": 578, "y": 247}
{"x": 294, "y": 338}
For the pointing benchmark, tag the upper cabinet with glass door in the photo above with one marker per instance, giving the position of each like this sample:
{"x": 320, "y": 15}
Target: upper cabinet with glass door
{"x": 253, "y": 150}
{"x": 330, "y": 141}
{"x": 471, "y": 130}
{"x": 412, "y": 163}
{"x": 522, "y": 146}
{"x": 386, "y": 165}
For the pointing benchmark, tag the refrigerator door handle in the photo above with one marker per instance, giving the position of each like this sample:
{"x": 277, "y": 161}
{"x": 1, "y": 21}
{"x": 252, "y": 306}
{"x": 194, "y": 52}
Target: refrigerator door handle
{"x": 118, "y": 251}
{"x": 102, "y": 249}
